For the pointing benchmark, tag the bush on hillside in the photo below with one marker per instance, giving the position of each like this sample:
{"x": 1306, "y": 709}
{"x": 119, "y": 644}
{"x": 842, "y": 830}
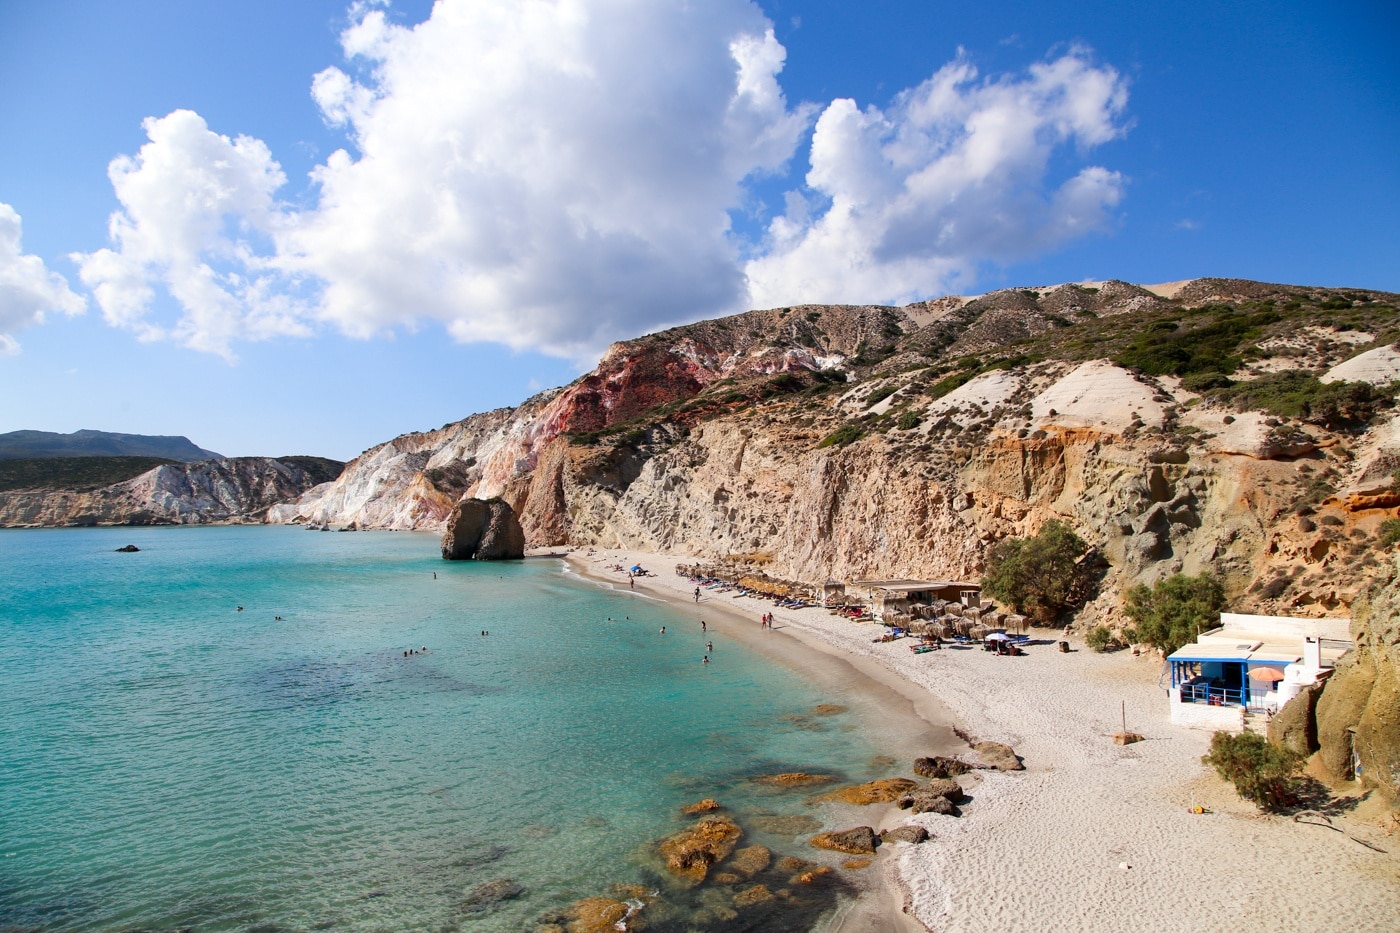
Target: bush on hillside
{"x": 1261, "y": 772}
{"x": 1042, "y": 576}
{"x": 1175, "y": 611}
{"x": 1101, "y": 639}
{"x": 1294, "y": 394}
{"x": 846, "y": 434}
{"x": 1389, "y": 532}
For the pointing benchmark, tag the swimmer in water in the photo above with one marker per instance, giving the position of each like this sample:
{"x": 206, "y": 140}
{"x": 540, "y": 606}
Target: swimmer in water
{"x": 663, "y": 630}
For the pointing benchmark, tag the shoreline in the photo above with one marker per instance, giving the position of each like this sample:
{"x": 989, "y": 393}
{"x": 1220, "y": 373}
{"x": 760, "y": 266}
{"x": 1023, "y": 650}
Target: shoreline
{"x": 1092, "y": 835}
{"x": 912, "y": 720}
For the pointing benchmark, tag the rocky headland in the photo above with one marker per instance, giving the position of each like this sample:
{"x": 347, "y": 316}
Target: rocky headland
{"x": 234, "y": 489}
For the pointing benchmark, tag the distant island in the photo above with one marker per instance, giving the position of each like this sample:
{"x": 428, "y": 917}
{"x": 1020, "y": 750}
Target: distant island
{"x": 20, "y": 445}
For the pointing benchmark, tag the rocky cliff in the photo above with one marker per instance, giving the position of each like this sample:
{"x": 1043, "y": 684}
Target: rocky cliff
{"x": 1164, "y": 424}
{"x": 1359, "y": 710}
{"x": 233, "y": 489}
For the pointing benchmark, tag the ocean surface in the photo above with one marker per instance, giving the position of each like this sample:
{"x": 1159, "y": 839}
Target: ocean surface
{"x": 167, "y": 760}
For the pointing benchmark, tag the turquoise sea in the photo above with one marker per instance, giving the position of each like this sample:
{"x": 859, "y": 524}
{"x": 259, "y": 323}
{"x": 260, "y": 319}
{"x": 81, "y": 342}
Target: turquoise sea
{"x": 169, "y": 761}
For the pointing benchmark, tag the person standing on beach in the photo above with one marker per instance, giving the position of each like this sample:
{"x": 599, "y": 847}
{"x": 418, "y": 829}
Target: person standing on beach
{"x": 697, "y": 594}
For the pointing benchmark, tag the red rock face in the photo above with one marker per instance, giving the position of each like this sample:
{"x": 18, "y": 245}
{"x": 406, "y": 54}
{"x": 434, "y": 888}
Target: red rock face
{"x": 628, "y": 384}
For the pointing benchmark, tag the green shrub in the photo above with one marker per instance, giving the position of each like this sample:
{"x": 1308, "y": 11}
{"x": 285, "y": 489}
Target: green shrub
{"x": 1389, "y": 532}
{"x": 1101, "y": 638}
{"x": 1042, "y": 576}
{"x": 1175, "y": 611}
{"x": 1166, "y": 348}
{"x": 1202, "y": 382}
{"x": 909, "y": 420}
{"x": 879, "y": 395}
{"x": 1260, "y": 772}
{"x": 846, "y": 434}
{"x": 1293, "y": 394}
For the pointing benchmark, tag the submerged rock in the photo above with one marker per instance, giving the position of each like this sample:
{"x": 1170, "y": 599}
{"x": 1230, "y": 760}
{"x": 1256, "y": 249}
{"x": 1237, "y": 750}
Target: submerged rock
{"x": 483, "y": 529}
{"x": 703, "y": 806}
{"x": 750, "y": 860}
{"x": 793, "y": 779}
{"x": 885, "y": 790}
{"x": 784, "y": 824}
{"x": 758, "y": 894}
{"x": 502, "y": 889}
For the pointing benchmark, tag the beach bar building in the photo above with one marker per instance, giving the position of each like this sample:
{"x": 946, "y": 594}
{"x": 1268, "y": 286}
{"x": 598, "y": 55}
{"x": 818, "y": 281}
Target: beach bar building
{"x": 890, "y": 596}
{"x": 1251, "y": 663}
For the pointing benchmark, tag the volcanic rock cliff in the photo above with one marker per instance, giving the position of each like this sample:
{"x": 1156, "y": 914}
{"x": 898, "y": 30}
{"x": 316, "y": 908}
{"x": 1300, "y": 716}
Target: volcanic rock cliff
{"x": 232, "y": 489}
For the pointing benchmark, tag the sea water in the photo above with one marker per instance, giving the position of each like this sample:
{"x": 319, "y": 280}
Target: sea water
{"x": 222, "y": 731}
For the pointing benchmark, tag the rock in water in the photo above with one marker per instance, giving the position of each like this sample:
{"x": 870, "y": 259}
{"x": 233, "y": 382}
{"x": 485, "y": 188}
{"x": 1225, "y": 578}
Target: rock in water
{"x": 858, "y": 841}
{"x": 483, "y": 529}
{"x": 492, "y": 892}
{"x": 128, "y": 549}
{"x": 690, "y": 853}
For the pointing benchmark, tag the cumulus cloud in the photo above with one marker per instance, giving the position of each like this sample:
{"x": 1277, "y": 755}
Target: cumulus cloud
{"x": 549, "y": 175}
{"x": 196, "y": 219}
{"x": 906, "y": 202}
{"x": 555, "y": 174}
{"x": 28, "y": 290}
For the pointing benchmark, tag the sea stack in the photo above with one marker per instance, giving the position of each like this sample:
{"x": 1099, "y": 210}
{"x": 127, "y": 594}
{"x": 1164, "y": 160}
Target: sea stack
{"x": 483, "y": 529}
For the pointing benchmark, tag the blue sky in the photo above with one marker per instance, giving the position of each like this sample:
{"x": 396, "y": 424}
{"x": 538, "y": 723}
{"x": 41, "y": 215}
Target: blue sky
{"x": 520, "y": 183}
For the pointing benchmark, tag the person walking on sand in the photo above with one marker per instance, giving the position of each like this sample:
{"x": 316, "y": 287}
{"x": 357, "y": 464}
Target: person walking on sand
{"x": 631, "y": 584}
{"x": 697, "y": 594}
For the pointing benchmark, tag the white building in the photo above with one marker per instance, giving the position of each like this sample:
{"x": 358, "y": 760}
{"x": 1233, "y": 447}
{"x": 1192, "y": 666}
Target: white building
{"x": 1251, "y": 663}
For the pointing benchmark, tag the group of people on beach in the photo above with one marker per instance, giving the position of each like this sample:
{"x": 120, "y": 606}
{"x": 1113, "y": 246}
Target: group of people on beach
{"x": 765, "y": 620}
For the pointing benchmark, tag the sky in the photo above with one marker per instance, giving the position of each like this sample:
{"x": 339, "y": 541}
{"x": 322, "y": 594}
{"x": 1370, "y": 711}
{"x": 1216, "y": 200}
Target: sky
{"x": 305, "y": 228}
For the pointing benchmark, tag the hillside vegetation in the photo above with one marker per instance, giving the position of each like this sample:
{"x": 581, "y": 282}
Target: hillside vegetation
{"x": 79, "y": 474}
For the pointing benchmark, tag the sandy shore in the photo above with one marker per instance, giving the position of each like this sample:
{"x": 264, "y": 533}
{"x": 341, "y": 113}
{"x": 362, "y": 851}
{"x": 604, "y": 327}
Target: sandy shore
{"x": 1092, "y": 836}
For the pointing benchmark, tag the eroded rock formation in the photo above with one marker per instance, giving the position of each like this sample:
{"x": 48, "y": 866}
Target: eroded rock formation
{"x": 480, "y": 529}
{"x": 1359, "y": 710}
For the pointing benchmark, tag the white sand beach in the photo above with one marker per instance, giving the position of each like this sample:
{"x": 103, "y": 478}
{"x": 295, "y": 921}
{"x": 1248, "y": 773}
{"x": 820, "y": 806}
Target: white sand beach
{"x": 1091, "y": 836}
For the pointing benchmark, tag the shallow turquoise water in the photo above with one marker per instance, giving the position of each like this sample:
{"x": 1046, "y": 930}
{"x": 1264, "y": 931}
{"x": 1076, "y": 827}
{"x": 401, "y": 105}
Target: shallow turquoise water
{"x": 168, "y": 760}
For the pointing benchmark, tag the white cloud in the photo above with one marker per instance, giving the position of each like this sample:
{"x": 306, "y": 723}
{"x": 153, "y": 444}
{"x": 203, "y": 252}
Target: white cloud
{"x": 555, "y": 174}
{"x": 28, "y": 289}
{"x": 907, "y": 202}
{"x": 549, "y": 175}
{"x": 197, "y": 214}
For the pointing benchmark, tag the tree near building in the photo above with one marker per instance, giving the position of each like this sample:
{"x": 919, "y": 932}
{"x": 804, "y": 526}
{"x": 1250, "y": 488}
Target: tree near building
{"x": 1041, "y": 576}
{"x": 1261, "y": 772}
{"x": 1175, "y": 611}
